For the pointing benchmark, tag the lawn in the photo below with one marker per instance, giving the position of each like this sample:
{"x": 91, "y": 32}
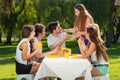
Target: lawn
{"x": 7, "y": 65}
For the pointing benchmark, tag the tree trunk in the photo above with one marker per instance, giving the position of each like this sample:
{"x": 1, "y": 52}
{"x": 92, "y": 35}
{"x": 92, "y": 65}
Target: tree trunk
{"x": 9, "y": 34}
{"x": 116, "y": 37}
{"x": 0, "y": 35}
{"x": 111, "y": 23}
{"x": 11, "y": 20}
{"x": 38, "y": 18}
{"x": 0, "y": 38}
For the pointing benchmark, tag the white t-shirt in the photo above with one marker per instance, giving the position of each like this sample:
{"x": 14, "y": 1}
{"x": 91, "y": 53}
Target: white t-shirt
{"x": 35, "y": 43}
{"x": 40, "y": 51}
{"x": 94, "y": 59}
{"x": 51, "y": 40}
{"x": 19, "y": 52}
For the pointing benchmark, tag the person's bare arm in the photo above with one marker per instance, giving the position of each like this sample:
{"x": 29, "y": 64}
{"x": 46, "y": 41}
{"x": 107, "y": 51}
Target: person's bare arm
{"x": 86, "y": 52}
{"x": 69, "y": 30}
{"x": 24, "y": 46}
{"x": 76, "y": 35}
{"x": 54, "y": 51}
{"x": 88, "y": 22}
{"x": 60, "y": 43}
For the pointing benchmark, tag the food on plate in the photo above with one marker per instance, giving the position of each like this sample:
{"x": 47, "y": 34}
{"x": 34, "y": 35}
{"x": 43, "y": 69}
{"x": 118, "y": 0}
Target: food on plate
{"x": 62, "y": 51}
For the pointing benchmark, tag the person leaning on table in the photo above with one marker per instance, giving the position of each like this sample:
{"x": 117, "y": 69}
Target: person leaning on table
{"x": 95, "y": 50}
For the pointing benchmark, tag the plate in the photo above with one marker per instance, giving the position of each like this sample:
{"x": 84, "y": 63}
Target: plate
{"x": 76, "y": 56}
{"x": 52, "y": 56}
{"x": 73, "y": 54}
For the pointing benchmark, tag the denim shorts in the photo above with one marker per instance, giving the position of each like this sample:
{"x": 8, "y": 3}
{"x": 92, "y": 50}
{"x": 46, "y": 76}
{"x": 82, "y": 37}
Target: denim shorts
{"x": 103, "y": 69}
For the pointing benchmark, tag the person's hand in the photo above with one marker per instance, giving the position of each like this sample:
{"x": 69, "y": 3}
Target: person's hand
{"x": 55, "y": 50}
{"x": 81, "y": 40}
{"x": 81, "y": 43}
{"x": 64, "y": 36}
{"x": 33, "y": 63}
{"x": 70, "y": 37}
{"x": 37, "y": 50}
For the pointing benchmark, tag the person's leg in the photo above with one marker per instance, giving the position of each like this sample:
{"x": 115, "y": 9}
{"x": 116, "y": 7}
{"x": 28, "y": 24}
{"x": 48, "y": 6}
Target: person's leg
{"x": 42, "y": 79}
{"x": 96, "y": 72}
{"x": 80, "y": 78}
{"x": 59, "y": 79}
{"x": 34, "y": 68}
{"x": 46, "y": 78}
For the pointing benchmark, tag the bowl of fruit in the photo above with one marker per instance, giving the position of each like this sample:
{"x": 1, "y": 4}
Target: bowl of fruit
{"x": 62, "y": 51}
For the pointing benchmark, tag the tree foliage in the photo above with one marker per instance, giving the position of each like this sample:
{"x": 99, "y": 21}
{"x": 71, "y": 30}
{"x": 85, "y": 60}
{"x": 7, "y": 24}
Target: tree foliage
{"x": 10, "y": 11}
{"x": 15, "y": 13}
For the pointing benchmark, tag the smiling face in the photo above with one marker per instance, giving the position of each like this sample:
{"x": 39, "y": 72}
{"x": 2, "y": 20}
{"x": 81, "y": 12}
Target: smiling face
{"x": 43, "y": 33}
{"x": 77, "y": 12}
{"x": 58, "y": 28}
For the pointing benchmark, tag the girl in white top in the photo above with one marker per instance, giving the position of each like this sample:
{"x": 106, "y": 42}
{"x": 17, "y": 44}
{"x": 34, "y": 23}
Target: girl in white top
{"x": 95, "y": 50}
{"x": 25, "y": 51}
{"x": 39, "y": 35}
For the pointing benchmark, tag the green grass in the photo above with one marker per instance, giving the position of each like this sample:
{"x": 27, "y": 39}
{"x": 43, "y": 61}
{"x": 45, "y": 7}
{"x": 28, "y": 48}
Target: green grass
{"x": 7, "y": 54}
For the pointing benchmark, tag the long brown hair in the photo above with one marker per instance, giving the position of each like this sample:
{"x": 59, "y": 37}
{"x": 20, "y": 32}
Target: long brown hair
{"x": 100, "y": 48}
{"x": 80, "y": 20}
{"x": 39, "y": 29}
{"x": 26, "y": 31}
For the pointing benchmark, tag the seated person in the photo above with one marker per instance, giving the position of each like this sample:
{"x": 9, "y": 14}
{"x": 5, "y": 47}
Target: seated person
{"x": 56, "y": 37}
{"x": 96, "y": 51}
{"x": 25, "y": 51}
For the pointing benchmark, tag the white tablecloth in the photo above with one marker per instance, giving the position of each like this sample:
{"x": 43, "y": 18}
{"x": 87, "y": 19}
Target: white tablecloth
{"x": 66, "y": 69}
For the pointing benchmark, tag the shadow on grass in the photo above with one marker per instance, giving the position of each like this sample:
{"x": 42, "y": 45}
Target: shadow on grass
{"x": 4, "y": 61}
{"x": 8, "y": 79}
{"x": 7, "y": 51}
{"x": 115, "y": 51}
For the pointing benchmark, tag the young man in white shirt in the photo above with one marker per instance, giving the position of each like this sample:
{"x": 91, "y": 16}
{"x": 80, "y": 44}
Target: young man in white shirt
{"x": 56, "y": 37}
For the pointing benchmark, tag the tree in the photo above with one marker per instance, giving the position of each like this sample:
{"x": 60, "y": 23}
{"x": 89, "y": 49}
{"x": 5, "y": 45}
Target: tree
{"x": 114, "y": 23}
{"x": 42, "y": 8}
{"x": 0, "y": 34}
{"x": 11, "y": 10}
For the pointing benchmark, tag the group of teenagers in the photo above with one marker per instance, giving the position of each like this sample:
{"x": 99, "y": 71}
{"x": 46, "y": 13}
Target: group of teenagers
{"x": 29, "y": 56}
